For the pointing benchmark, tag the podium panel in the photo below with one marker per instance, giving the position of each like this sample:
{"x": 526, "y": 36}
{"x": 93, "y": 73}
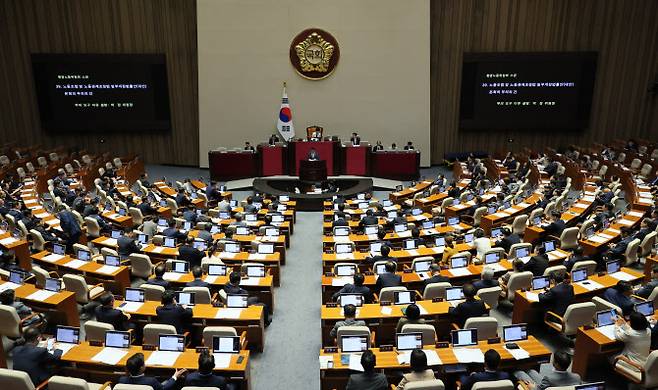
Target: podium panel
{"x": 356, "y": 160}
{"x": 272, "y": 159}
{"x": 312, "y": 170}
{"x": 399, "y": 165}
{"x": 231, "y": 165}
{"x": 324, "y": 148}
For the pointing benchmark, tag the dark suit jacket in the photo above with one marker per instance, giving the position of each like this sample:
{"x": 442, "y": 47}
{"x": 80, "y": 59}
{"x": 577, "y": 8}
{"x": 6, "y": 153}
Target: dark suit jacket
{"x": 619, "y": 249}
{"x": 646, "y": 290}
{"x": 126, "y": 246}
{"x": 469, "y": 380}
{"x": 388, "y": 280}
{"x": 198, "y": 379}
{"x": 368, "y": 220}
{"x": 158, "y": 282}
{"x": 615, "y": 297}
{"x": 468, "y": 309}
{"x": 558, "y": 298}
{"x": 174, "y": 233}
{"x": 537, "y": 265}
{"x": 148, "y": 381}
{"x": 436, "y": 279}
{"x": 111, "y": 316}
{"x": 507, "y": 242}
{"x": 174, "y": 315}
{"x": 363, "y": 381}
{"x": 555, "y": 228}
{"x": 35, "y": 361}
{"x": 339, "y": 222}
{"x": 197, "y": 283}
{"x": 191, "y": 255}
{"x": 352, "y": 289}
{"x": 146, "y": 208}
{"x": 478, "y": 284}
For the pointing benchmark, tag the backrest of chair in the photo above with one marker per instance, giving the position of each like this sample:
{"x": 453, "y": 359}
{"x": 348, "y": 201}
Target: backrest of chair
{"x": 421, "y": 259}
{"x": 490, "y": 296}
{"x": 436, "y": 290}
{"x": 211, "y": 331}
{"x": 569, "y": 238}
{"x": 201, "y": 294}
{"x": 518, "y": 281}
{"x": 123, "y": 386}
{"x": 635, "y": 163}
{"x": 387, "y": 293}
{"x": 487, "y": 327}
{"x": 172, "y": 205}
{"x": 576, "y": 315}
{"x": 538, "y": 212}
{"x": 136, "y": 215}
{"x": 586, "y": 225}
{"x": 603, "y": 304}
{"x": 653, "y": 296}
{"x": 477, "y": 215}
{"x": 447, "y": 202}
{"x": 152, "y": 332}
{"x": 15, "y": 380}
{"x": 95, "y": 330}
{"x": 433, "y": 384}
{"x": 152, "y": 292}
{"x": 350, "y": 330}
{"x": 140, "y": 265}
{"x": 554, "y": 270}
{"x": 93, "y": 228}
{"x": 631, "y": 251}
{"x": 77, "y": 285}
{"x": 40, "y": 275}
{"x": 38, "y": 241}
{"x": 651, "y": 370}
{"x": 428, "y": 331}
{"x": 646, "y": 170}
{"x": 10, "y": 322}
{"x": 518, "y": 226}
{"x": 647, "y": 244}
{"x": 590, "y": 265}
{"x": 505, "y": 384}
{"x": 109, "y": 251}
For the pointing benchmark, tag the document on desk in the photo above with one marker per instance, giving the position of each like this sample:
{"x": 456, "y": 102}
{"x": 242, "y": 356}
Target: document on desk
{"x": 413, "y": 252}
{"x": 468, "y": 355}
{"x": 519, "y": 353}
{"x": 404, "y": 357}
{"x": 581, "y": 205}
{"x": 110, "y": 356}
{"x": 404, "y": 234}
{"x": 250, "y": 281}
{"x": 162, "y": 358}
{"x": 607, "y": 330}
{"x": 9, "y": 286}
{"x": 8, "y": 241}
{"x": 590, "y": 285}
{"x": 230, "y": 312}
{"x": 257, "y": 256}
{"x": 157, "y": 249}
{"x": 107, "y": 270}
{"x": 341, "y": 281}
{"x": 438, "y": 249}
{"x": 41, "y": 295}
{"x": 432, "y": 357}
{"x": 497, "y": 267}
{"x": 459, "y": 271}
{"x": 636, "y": 214}
{"x": 130, "y": 307}
{"x": 423, "y": 311}
{"x": 342, "y": 239}
{"x": 532, "y": 297}
{"x": 598, "y": 239}
{"x": 344, "y": 256}
{"x": 52, "y": 221}
{"x": 210, "y": 279}
{"x": 227, "y": 255}
{"x": 222, "y": 360}
{"x": 53, "y": 257}
{"x": 431, "y": 231}
{"x": 355, "y": 362}
{"x": 171, "y": 276}
{"x": 554, "y": 255}
{"x": 589, "y": 198}
{"x": 75, "y": 263}
{"x": 625, "y": 222}
{"x": 65, "y": 347}
{"x": 621, "y": 275}
{"x": 386, "y": 310}
{"x": 324, "y": 361}
{"x": 110, "y": 241}
{"x": 523, "y": 204}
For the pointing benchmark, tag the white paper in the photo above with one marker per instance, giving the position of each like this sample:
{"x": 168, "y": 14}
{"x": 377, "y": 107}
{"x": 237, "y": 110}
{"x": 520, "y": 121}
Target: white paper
{"x": 590, "y": 285}
{"x": 342, "y": 239}
{"x": 386, "y": 310}
{"x": 162, "y": 358}
{"x": 250, "y": 281}
{"x": 413, "y": 252}
{"x": 423, "y": 311}
{"x": 257, "y": 256}
{"x": 107, "y": 269}
{"x": 621, "y": 275}
{"x": 51, "y": 258}
{"x": 432, "y": 357}
{"x": 518, "y": 353}
{"x": 344, "y": 256}
{"x": 65, "y": 347}
{"x": 598, "y": 239}
{"x": 606, "y": 236}
{"x": 608, "y": 331}
{"x": 523, "y": 204}
{"x": 341, "y": 281}
{"x": 422, "y": 275}
{"x": 9, "y": 286}
{"x": 532, "y": 297}
{"x": 324, "y": 361}
{"x": 615, "y": 231}
{"x": 41, "y": 295}
{"x": 355, "y": 362}
{"x": 229, "y": 312}
{"x": 635, "y": 214}
{"x": 581, "y": 205}
{"x": 227, "y": 255}
{"x": 405, "y": 234}
{"x": 496, "y": 267}
{"x": 438, "y": 249}
{"x": 110, "y": 241}
{"x": 589, "y": 198}
{"x": 459, "y": 271}
{"x": 157, "y": 249}
{"x": 75, "y": 264}
{"x": 171, "y": 276}
{"x": 41, "y": 215}
{"x": 625, "y": 222}
{"x": 53, "y": 222}
{"x": 404, "y": 357}
{"x": 501, "y": 215}
{"x": 131, "y": 307}
{"x": 8, "y": 241}
{"x": 468, "y": 355}
{"x": 110, "y": 356}
{"x": 211, "y": 279}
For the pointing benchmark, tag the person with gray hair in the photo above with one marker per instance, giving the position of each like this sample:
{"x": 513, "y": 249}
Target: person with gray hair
{"x": 487, "y": 279}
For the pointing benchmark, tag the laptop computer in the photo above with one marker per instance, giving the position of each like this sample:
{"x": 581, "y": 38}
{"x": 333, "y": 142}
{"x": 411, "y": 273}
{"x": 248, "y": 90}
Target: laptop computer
{"x": 170, "y": 242}
{"x": 83, "y": 255}
{"x": 404, "y": 297}
{"x": 578, "y": 275}
{"x": 237, "y": 300}
{"x": 232, "y": 247}
{"x": 226, "y": 344}
{"x": 116, "y": 234}
{"x": 67, "y": 334}
{"x": 59, "y": 249}
{"x": 265, "y": 248}
{"x": 453, "y": 221}
{"x": 516, "y": 332}
{"x": 242, "y": 231}
{"x": 345, "y": 270}
{"x": 496, "y": 232}
{"x": 340, "y": 231}
{"x": 464, "y": 337}
{"x": 469, "y": 237}
{"x": 199, "y": 245}
{"x": 251, "y": 217}
{"x": 522, "y": 252}
{"x": 344, "y": 248}
{"x": 549, "y": 246}
{"x": 458, "y": 262}
{"x": 180, "y": 266}
{"x": 612, "y": 266}
{"x": 142, "y": 238}
{"x": 644, "y": 308}
{"x": 371, "y": 229}
{"x": 401, "y": 227}
{"x": 350, "y": 299}
{"x": 454, "y": 294}
{"x": 606, "y": 317}
{"x": 410, "y": 244}
{"x": 52, "y": 284}
{"x": 422, "y": 265}
{"x": 171, "y": 342}
{"x": 492, "y": 258}
{"x": 256, "y": 271}
{"x": 272, "y": 231}
{"x": 117, "y": 339}
{"x": 16, "y": 277}
{"x": 134, "y": 295}
{"x": 408, "y": 341}
{"x": 353, "y": 343}
{"x": 217, "y": 269}
{"x": 439, "y": 241}
{"x": 112, "y": 260}
{"x": 185, "y": 298}
{"x": 540, "y": 282}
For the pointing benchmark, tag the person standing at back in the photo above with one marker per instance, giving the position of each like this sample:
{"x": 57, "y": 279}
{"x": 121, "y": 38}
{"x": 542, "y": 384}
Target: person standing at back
{"x": 368, "y": 379}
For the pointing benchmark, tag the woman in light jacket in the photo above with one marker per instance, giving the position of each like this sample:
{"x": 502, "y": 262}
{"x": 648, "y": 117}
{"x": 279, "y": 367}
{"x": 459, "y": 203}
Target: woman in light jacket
{"x": 636, "y": 336}
{"x": 419, "y": 370}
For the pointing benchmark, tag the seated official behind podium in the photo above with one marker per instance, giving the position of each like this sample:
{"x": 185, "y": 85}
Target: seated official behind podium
{"x": 135, "y": 368}
{"x": 313, "y": 155}
{"x": 355, "y": 139}
{"x": 368, "y": 379}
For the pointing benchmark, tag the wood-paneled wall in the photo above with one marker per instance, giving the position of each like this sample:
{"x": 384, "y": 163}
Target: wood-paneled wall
{"x": 624, "y": 32}
{"x": 101, "y": 26}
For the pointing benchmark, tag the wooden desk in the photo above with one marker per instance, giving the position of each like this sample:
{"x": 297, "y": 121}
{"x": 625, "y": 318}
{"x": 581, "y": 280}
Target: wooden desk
{"x": 20, "y": 247}
{"x": 408, "y": 192}
{"x": 489, "y": 221}
{"x": 336, "y": 377}
{"x": 80, "y": 359}
{"x": 612, "y": 233}
{"x": 251, "y": 320}
{"x": 117, "y": 219}
{"x": 61, "y": 306}
{"x": 592, "y": 350}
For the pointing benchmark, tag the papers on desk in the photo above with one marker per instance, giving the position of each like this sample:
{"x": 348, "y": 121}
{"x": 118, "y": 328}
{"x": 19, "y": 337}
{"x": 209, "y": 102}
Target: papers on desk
{"x": 468, "y": 355}
{"x": 65, "y": 347}
{"x": 404, "y": 357}
{"x": 608, "y": 331}
{"x": 162, "y": 358}
{"x": 554, "y": 255}
{"x": 501, "y": 215}
{"x": 51, "y": 258}
{"x": 438, "y": 249}
{"x": 606, "y": 236}
{"x": 635, "y": 214}
{"x": 342, "y": 239}
{"x": 519, "y": 353}
{"x": 523, "y": 204}
{"x": 227, "y": 255}
{"x": 431, "y": 231}
{"x": 53, "y": 222}
{"x": 110, "y": 356}
{"x": 524, "y": 259}
{"x": 171, "y": 276}
{"x": 590, "y": 285}
{"x": 257, "y": 256}
{"x": 386, "y": 310}
{"x": 581, "y": 205}
{"x": 532, "y": 297}
{"x": 390, "y": 208}
{"x": 250, "y": 281}
{"x": 107, "y": 269}
{"x": 497, "y": 267}
{"x": 41, "y": 295}
{"x": 130, "y": 307}
{"x": 341, "y": 281}
{"x": 8, "y": 241}
{"x": 423, "y": 311}
{"x": 157, "y": 249}
{"x": 211, "y": 279}
{"x": 422, "y": 275}
{"x": 344, "y": 256}
{"x": 112, "y": 216}
{"x": 598, "y": 239}
{"x": 324, "y": 361}
{"x": 110, "y": 241}
{"x": 41, "y": 215}
{"x": 9, "y": 286}
{"x": 432, "y": 357}
{"x": 405, "y": 234}
{"x": 413, "y": 252}
{"x": 626, "y": 222}
{"x": 621, "y": 275}
{"x": 355, "y": 362}
{"x": 230, "y": 312}
{"x": 615, "y": 231}
{"x": 75, "y": 264}
{"x": 459, "y": 271}
{"x": 269, "y": 238}
{"x": 589, "y": 198}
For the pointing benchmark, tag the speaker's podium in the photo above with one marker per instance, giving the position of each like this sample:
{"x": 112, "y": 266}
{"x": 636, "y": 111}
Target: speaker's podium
{"x": 312, "y": 170}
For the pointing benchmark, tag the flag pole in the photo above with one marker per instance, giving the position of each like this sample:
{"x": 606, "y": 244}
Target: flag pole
{"x": 284, "y": 84}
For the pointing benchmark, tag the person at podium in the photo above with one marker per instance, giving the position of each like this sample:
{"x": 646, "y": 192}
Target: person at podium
{"x": 273, "y": 139}
{"x": 313, "y": 155}
{"x": 355, "y": 139}
{"x": 378, "y": 147}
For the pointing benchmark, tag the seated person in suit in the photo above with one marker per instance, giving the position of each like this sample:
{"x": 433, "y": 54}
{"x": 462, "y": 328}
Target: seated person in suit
{"x": 340, "y": 221}
{"x": 620, "y": 295}
{"x": 233, "y": 287}
{"x": 487, "y": 279}
{"x": 172, "y": 232}
{"x": 409, "y": 146}
{"x": 471, "y": 307}
{"x": 415, "y": 234}
{"x": 189, "y": 253}
{"x": 368, "y": 379}
{"x": 617, "y": 251}
{"x": 355, "y": 139}
{"x": 560, "y": 376}
{"x": 108, "y": 314}
{"x": 350, "y": 320}
{"x": 171, "y": 313}
{"x": 273, "y": 139}
{"x": 126, "y": 243}
{"x": 538, "y": 263}
{"x": 490, "y": 373}
{"x": 607, "y": 214}
{"x": 135, "y": 368}
{"x": 313, "y": 155}
{"x": 356, "y": 288}
{"x": 7, "y": 298}
{"x": 508, "y": 240}
{"x": 378, "y": 146}
{"x": 205, "y": 377}
{"x": 435, "y": 275}
{"x": 576, "y": 256}
{"x": 205, "y": 235}
{"x": 190, "y": 215}
{"x": 556, "y": 225}
{"x": 384, "y": 251}
{"x": 411, "y": 316}
{"x": 645, "y": 229}
{"x": 388, "y": 278}
{"x": 419, "y": 369}
{"x": 559, "y": 297}
{"x": 181, "y": 199}
{"x": 369, "y": 219}
{"x": 248, "y": 147}
{"x": 197, "y": 272}
{"x": 647, "y": 288}
{"x": 36, "y": 361}
{"x": 158, "y": 279}
{"x": 250, "y": 207}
